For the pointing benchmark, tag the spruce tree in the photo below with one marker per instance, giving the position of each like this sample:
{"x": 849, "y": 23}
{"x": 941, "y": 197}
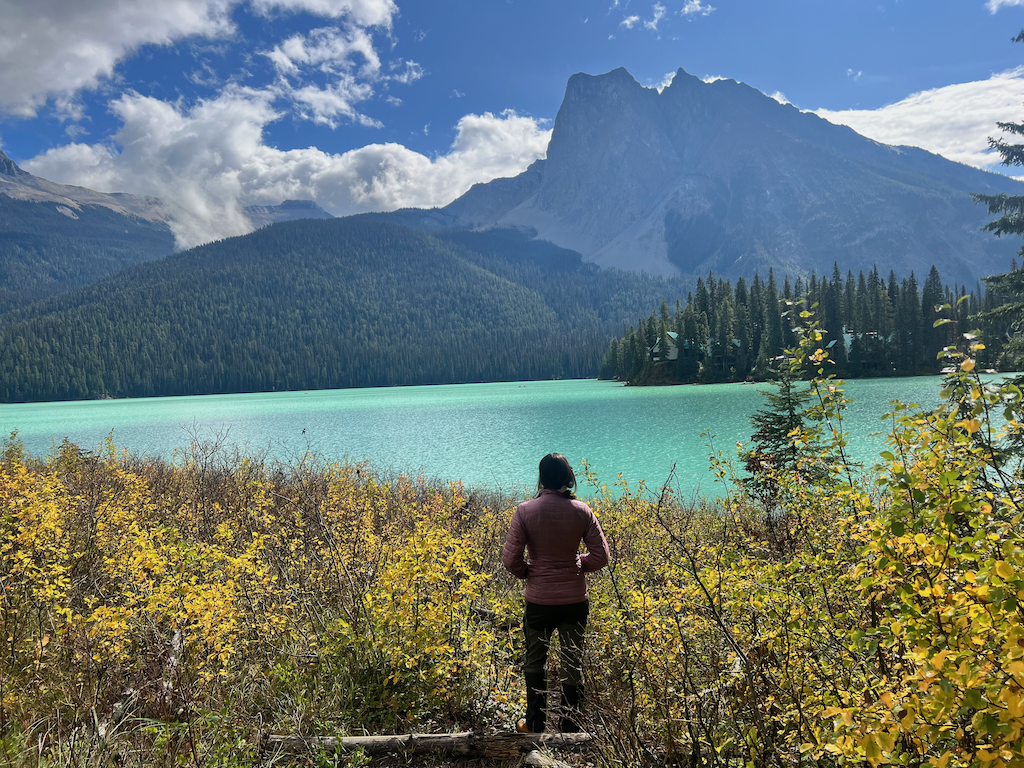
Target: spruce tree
{"x": 1010, "y": 211}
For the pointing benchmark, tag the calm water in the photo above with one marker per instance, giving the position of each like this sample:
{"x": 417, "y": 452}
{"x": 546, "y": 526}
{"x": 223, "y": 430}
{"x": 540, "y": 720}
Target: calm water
{"x": 485, "y": 434}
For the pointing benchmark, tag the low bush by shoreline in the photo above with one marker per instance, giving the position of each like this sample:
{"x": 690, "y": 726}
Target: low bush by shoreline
{"x": 177, "y": 614}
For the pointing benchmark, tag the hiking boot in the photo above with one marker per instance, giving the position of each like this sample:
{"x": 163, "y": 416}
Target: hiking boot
{"x": 536, "y": 704}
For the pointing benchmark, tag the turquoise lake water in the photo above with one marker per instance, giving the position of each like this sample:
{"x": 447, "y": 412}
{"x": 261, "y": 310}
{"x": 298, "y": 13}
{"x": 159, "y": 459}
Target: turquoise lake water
{"x": 489, "y": 435}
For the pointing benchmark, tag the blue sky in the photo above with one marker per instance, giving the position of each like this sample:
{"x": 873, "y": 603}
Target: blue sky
{"x": 377, "y": 104}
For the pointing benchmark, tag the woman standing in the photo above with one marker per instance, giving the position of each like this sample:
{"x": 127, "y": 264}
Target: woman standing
{"x": 550, "y": 528}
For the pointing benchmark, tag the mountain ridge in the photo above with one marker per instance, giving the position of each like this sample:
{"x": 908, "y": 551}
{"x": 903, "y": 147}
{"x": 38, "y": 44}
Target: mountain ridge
{"x": 720, "y": 177}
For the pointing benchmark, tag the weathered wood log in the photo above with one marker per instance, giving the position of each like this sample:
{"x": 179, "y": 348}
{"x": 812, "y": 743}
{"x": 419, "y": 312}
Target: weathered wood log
{"x": 466, "y": 744}
{"x": 536, "y": 759}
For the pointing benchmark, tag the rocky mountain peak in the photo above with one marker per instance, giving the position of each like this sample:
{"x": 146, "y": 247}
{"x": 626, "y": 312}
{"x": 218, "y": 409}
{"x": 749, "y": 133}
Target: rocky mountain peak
{"x": 8, "y": 167}
{"x": 718, "y": 176}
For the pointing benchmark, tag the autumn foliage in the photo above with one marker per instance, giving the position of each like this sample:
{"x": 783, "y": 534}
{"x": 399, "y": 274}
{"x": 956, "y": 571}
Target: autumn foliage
{"x": 176, "y": 613}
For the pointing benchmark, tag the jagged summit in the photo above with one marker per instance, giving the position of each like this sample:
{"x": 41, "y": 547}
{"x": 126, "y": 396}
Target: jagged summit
{"x": 8, "y": 167}
{"x": 719, "y": 176}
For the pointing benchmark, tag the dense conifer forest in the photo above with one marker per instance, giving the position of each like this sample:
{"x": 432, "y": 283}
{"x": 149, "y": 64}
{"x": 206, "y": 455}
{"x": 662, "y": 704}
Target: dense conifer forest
{"x": 874, "y": 325}
{"x": 46, "y": 248}
{"x": 324, "y": 304}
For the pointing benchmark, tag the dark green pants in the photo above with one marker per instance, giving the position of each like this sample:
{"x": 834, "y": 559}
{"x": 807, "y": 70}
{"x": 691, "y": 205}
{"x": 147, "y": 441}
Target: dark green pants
{"x": 540, "y": 622}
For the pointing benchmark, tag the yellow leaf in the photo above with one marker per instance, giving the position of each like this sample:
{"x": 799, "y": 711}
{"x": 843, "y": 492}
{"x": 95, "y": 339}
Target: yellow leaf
{"x": 1005, "y": 570}
{"x": 967, "y": 365}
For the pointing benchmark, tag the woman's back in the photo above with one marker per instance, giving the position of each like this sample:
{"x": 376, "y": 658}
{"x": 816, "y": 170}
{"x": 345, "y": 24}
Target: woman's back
{"x": 551, "y": 528}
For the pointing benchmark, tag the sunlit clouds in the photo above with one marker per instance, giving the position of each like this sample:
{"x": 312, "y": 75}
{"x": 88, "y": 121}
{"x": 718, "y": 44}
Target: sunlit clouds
{"x": 208, "y": 161}
{"x": 954, "y": 121}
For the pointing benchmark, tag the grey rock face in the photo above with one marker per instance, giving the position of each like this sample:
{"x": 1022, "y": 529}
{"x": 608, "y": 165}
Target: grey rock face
{"x": 289, "y": 210}
{"x": 718, "y": 176}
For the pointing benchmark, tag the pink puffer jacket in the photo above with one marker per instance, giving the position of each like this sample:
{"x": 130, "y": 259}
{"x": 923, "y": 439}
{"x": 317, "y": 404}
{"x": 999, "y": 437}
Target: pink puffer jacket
{"x": 551, "y": 527}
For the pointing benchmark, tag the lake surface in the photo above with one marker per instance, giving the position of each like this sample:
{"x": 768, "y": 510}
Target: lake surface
{"x": 489, "y": 435}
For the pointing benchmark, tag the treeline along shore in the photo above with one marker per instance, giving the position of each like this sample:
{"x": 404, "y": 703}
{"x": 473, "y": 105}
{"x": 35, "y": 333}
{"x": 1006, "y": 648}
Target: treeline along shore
{"x": 159, "y": 614}
{"x": 873, "y": 325}
{"x": 365, "y": 303}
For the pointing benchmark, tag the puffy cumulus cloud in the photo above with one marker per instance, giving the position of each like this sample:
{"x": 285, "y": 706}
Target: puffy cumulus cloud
{"x": 954, "y": 121}
{"x": 58, "y": 47}
{"x": 53, "y": 49}
{"x": 326, "y": 73}
{"x": 193, "y": 160}
{"x": 208, "y": 161}
{"x": 325, "y": 105}
{"x": 328, "y": 49}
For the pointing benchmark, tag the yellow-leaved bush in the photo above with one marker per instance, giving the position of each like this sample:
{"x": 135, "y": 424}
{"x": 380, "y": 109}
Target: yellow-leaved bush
{"x": 178, "y": 612}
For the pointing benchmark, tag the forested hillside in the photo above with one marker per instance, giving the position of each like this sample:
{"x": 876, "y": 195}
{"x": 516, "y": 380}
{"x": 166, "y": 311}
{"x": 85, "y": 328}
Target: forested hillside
{"x": 873, "y": 326}
{"x": 46, "y": 247}
{"x": 324, "y": 304}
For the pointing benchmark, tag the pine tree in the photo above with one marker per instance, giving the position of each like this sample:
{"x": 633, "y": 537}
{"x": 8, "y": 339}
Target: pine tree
{"x": 1010, "y": 211}
{"x": 774, "y": 451}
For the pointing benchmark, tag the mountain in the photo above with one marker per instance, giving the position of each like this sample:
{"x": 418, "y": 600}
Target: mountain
{"x": 54, "y": 237}
{"x": 289, "y": 210}
{"x": 719, "y": 177}
{"x": 324, "y": 304}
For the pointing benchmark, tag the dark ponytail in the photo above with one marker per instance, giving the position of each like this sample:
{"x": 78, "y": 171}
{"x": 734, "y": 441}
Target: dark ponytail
{"x": 556, "y": 475}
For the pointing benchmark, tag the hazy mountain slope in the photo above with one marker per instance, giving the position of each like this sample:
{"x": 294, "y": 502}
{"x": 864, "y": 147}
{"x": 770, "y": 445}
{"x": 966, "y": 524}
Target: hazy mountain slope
{"x": 718, "y": 176}
{"x": 289, "y": 210}
{"x": 322, "y": 304}
{"x": 54, "y": 237}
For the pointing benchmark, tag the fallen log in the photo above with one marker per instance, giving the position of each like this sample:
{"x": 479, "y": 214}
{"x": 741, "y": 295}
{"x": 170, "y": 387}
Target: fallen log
{"x": 465, "y": 744}
{"x": 536, "y": 759}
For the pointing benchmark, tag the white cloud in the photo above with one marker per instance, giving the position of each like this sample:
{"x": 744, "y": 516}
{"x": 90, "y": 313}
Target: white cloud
{"x": 329, "y": 71}
{"x": 58, "y": 47}
{"x": 364, "y": 13}
{"x": 696, "y": 8}
{"x": 659, "y": 14}
{"x": 406, "y": 72}
{"x": 209, "y": 160}
{"x": 780, "y": 97}
{"x": 954, "y": 121}
{"x": 854, "y": 74}
{"x": 327, "y": 105}
{"x": 328, "y": 49}
{"x": 53, "y": 49}
{"x": 666, "y": 81}
{"x": 995, "y": 5}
